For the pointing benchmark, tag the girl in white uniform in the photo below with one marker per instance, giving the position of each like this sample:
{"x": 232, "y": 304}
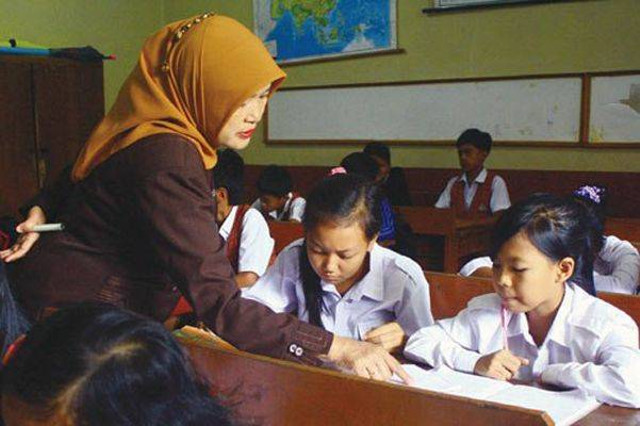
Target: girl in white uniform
{"x": 540, "y": 324}
{"x": 337, "y": 277}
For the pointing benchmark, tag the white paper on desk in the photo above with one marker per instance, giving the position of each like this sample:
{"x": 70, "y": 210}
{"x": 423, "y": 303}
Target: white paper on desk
{"x": 452, "y": 382}
{"x": 563, "y": 407}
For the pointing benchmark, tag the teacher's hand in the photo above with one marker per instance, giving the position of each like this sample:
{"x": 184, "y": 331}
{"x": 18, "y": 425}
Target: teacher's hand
{"x": 27, "y": 238}
{"x": 365, "y": 359}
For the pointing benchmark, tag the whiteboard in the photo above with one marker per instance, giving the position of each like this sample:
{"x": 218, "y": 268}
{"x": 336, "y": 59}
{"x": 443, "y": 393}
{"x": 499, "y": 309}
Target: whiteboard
{"x": 615, "y": 109}
{"x": 520, "y": 110}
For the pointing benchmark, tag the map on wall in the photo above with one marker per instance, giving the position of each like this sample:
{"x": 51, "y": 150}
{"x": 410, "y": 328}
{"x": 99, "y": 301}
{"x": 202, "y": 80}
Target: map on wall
{"x": 300, "y": 30}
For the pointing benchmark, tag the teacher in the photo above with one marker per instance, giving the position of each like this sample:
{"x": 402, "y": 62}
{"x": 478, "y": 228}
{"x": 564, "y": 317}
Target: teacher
{"x": 139, "y": 216}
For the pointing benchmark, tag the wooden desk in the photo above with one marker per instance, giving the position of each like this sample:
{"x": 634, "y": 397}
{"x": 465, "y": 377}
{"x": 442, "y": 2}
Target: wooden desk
{"x": 272, "y": 392}
{"x": 624, "y": 228}
{"x": 462, "y": 237}
{"x": 284, "y": 233}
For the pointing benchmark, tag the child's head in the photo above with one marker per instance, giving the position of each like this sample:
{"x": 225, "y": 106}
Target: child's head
{"x": 382, "y": 156}
{"x": 228, "y": 175}
{"x": 361, "y": 164}
{"x": 536, "y": 246}
{"x": 341, "y": 221}
{"x": 594, "y": 198}
{"x": 274, "y": 185}
{"x": 96, "y": 364}
{"x": 473, "y": 147}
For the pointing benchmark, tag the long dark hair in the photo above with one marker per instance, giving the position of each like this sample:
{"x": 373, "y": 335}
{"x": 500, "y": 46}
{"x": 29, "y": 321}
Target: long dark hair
{"x": 342, "y": 199}
{"x": 103, "y": 365}
{"x": 13, "y": 322}
{"x": 556, "y": 226}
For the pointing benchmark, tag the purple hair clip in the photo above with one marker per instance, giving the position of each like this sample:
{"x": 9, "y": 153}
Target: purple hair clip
{"x": 338, "y": 170}
{"x": 590, "y": 192}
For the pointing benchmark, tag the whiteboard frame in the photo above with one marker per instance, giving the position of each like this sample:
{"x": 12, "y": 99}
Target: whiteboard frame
{"x": 581, "y": 142}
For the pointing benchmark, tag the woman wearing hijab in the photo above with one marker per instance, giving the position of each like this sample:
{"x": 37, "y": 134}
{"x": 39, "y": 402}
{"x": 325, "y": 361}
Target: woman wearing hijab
{"x": 140, "y": 219}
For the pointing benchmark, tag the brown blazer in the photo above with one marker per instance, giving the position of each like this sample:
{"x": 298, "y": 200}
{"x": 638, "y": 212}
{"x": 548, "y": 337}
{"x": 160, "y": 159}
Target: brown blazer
{"x": 139, "y": 231}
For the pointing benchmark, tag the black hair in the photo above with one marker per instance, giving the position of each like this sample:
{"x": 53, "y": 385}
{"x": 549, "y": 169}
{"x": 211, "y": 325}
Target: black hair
{"x": 478, "y": 138}
{"x": 13, "y": 322}
{"x": 594, "y": 197}
{"x": 102, "y": 365}
{"x": 275, "y": 180}
{"x": 229, "y": 174}
{"x": 557, "y": 227}
{"x": 361, "y": 164}
{"x": 342, "y": 199}
{"x": 378, "y": 149}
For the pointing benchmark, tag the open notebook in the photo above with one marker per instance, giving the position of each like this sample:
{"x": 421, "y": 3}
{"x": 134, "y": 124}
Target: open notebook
{"x": 564, "y": 407}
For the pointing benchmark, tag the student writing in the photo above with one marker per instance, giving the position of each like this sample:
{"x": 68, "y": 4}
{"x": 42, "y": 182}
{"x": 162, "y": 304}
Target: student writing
{"x": 554, "y": 331}
{"x": 338, "y": 277}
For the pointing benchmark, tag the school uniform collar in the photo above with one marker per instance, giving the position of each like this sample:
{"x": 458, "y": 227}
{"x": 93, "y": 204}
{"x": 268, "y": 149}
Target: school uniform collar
{"x": 558, "y": 330}
{"x": 481, "y": 178}
{"x": 371, "y": 285}
{"x": 227, "y": 225}
{"x": 287, "y": 204}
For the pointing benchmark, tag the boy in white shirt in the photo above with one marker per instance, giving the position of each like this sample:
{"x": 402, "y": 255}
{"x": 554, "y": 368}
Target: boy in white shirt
{"x": 277, "y": 200}
{"x": 540, "y": 324}
{"x": 249, "y": 245}
{"x": 476, "y": 191}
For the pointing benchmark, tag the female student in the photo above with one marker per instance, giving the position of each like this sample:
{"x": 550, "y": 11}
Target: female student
{"x": 540, "y": 324}
{"x": 616, "y": 267}
{"x": 338, "y": 278}
{"x": 94, "y": 364}
{"x": 140, "y": 219}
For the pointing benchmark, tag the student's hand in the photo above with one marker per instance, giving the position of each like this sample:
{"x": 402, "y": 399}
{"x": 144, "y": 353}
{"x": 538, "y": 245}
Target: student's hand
{"x": 390, "y": 336}
{"x": 365, "y": 359}
{"x": 27, "y": 238}
{"x": 501, "y": 365}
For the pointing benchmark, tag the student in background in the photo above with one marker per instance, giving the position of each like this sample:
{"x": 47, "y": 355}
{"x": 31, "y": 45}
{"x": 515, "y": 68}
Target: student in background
{"x": 277, "y": 201}
{"x": 99, "y": 365}
{"x": 616, "y": 267}
{"x": 363, "y": 165}
{"x": 540, "y": 324}
{"x": 391, "y": 179}
{"x": 246, "y": 233}
{"x": 338, "y": 278}
{"x": 476, "y": 191}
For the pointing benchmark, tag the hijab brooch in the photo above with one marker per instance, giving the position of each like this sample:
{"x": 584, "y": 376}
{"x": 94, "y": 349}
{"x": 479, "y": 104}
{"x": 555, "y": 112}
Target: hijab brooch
{"x": 178, "y": 35}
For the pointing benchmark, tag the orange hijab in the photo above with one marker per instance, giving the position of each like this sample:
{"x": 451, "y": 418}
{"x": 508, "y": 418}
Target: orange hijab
{"x": 190, "y": 78}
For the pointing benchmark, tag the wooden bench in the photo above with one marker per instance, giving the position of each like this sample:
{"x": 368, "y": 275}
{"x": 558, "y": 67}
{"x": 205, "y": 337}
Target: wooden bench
{"x": 463, "y": 238}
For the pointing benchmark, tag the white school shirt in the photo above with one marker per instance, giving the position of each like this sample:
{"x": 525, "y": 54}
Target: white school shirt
{"x": 591, "y": 345}
{"x": 294, "y": 207}
{"x": 474, "y": 264}
{"x": 617, "y": 267}
{"x": 394, "y": 289}
{"x": 499, "y": 194}
{"x": 256, "y": 244}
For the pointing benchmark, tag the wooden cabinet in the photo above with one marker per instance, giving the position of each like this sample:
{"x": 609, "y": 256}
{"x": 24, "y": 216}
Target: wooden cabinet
{"x": 48, "y": 107}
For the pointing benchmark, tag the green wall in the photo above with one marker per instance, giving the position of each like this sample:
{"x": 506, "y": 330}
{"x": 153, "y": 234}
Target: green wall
{"x": 599, "y": 35}
{"x": 114, "y": 27}
{"x": 595, "y": 35}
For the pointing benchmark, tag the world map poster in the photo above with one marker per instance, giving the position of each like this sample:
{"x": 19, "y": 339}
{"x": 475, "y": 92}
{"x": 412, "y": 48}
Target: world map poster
{"x": 301, "y": 30}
